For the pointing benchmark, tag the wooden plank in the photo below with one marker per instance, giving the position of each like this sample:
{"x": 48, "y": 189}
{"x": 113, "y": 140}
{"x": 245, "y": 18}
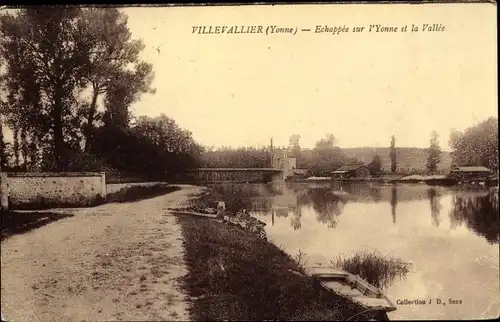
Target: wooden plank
{"x": 379, "y": 303}
{"x": 353, "y": 286}
{"x": 342, "y": 289}
{"x": 365, "y": 287}
{"x": 327, "y": 271}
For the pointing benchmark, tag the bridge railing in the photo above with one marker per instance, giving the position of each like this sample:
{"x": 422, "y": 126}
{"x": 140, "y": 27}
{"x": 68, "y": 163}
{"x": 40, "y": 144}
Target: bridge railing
{"x": 233, "y": 174}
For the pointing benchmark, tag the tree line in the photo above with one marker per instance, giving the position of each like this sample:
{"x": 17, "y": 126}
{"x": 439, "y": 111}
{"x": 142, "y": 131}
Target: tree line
{"x": 69, "y": 77}
{"x": 476, "y": 145}
{"x": 324, "y": 157}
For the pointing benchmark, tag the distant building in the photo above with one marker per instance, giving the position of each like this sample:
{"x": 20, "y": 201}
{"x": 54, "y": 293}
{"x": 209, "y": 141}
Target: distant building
{"x": 351, "y": 172}
{"x": 282, "y": 160}
{"x": 470, "y": 173}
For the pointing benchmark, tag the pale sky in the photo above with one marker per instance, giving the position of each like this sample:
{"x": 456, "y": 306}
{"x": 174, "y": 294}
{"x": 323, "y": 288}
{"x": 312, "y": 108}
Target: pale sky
{"x": 362, "y": 87}
{"x": 243, "y": 89}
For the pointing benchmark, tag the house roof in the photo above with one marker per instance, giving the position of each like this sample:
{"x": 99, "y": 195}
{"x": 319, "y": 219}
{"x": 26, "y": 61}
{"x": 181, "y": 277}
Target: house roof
{"x": 346, "y": 168}
{"x": 472, "y": 169}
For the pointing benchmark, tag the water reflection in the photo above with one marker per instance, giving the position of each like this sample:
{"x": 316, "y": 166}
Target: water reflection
{"x": 376, "y": 193}
{"x": 254, "y": 197}
{"x": 326, "y": 203}
{"x": 476, "y": 209}
{"x": 394, "y": 202}
{"x": 295, "y": 221}
{"x": 435, "y": 203}
{"x": 326, "y": 220}
{"x": 479, "y": 211}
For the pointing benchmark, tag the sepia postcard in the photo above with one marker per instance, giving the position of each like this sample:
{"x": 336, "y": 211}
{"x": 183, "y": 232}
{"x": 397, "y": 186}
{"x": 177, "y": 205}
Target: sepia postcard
{"x": 235, "y": 162}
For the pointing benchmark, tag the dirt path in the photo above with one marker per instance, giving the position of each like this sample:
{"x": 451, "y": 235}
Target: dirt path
{"x": 112, "y": 262}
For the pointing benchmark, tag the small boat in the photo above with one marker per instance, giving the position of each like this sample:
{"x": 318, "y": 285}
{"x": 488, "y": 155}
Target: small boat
{"x": 352, "y": 286}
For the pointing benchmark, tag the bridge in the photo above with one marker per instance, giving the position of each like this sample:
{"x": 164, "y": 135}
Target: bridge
{"x": 234, "y": 174}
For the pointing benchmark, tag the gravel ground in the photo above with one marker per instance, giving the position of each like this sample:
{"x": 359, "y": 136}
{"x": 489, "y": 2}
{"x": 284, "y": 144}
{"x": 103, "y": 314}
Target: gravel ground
{"x": 112, "y": 262}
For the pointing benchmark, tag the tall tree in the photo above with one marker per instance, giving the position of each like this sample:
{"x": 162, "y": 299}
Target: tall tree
{"x": 52, "y": 46}
{"x": 294, "y": 144}
{"x": 3, "y": 150}
{"x": 52, "y": 54}
{"x": 3, "y": 146}
{"x": 22, "y": 109}
{"x": 434, "y": 153}
{"x": 294, "y": 147}
{"x": 477, "y": 145}
{"x": 326, "y": 156}
{"x": 177, "y": 145}
{"x": 114, "y": 67}
{"x": 326, "y": 143}
{"x": 375, "y": 165}
{"x": 125, "y": 90}
{"x": 392, "y": 154}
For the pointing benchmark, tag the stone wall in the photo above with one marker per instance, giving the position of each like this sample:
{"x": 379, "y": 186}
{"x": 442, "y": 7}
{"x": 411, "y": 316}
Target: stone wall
{"x": 55, "y": 189}
{"x": 3, "y": 191}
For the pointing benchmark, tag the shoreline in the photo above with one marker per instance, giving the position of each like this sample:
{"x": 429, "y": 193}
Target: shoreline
{"x": 234, "y": 274}
{"x": 430, "y": 182}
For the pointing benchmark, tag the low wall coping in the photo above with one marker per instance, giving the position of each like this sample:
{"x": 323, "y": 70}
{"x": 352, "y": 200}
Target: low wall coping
{"x": 54, "y": 174}
{"x": 234, "y": 169}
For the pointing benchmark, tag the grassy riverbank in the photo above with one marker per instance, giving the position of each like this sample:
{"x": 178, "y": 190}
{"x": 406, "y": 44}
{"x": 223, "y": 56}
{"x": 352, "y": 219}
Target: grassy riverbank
{"x": 137, "y": 193}
{"x": 234, "y": 275}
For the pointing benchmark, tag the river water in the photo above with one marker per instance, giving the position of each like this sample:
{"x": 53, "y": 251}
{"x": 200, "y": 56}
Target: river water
{"x": 450, "y": 235}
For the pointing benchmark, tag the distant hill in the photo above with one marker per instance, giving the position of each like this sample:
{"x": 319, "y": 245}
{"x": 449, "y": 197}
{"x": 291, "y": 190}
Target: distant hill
{"x": 407, "y": 158}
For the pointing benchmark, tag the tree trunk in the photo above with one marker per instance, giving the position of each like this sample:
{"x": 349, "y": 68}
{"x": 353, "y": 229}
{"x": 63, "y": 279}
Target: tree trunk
{"x": 90, "y": 119}
{"x": 3, "y": 154}
{"x": 59, "y": 152}
{"x": 33, "y": 153}
{"x": 24, "y": 147}
{"x": 16, "y": 145}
